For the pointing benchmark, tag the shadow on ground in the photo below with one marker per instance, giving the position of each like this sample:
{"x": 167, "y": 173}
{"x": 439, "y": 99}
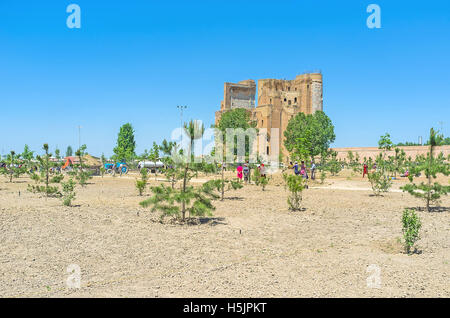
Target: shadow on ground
{"x": 213, "y": 221}
{"x": 433, "y": 209}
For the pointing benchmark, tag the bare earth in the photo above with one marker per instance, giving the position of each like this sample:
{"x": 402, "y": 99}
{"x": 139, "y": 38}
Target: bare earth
{"x": 253, "y": 247}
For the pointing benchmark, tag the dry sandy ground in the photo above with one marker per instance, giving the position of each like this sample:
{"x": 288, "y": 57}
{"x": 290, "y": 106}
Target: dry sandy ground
{"x": 253, "y": 247}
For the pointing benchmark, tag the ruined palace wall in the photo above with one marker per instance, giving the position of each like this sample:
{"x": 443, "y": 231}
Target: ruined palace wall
{"x": 372, "y": 152}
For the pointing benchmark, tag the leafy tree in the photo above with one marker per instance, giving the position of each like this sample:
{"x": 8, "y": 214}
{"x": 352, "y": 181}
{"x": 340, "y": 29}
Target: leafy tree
{"x": 295, "y": 184}
{"x": 57, "y": 153}
{"x": 126, "y": 145}
{"x": 27, "y": 154}
{"x": 385, "y": 142}
{"x": 431, "y": 166}
{"x": 353, "y": 162}
{"x": 398, "y": 161}
{"x": 69, "y": 151}
{"x": 380, "y": 179}
{"x": 334, "y": 166}
{"x": 308, "y": 136}
{"x": 442, "y": 141}
{"x": 237, "y": 118}
{"x": 323, "y": 167}
{"x": 411, "y": 227}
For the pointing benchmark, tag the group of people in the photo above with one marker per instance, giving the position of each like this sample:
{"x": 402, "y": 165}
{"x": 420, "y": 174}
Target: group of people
{"x": 243, "y": 171}
{"x": 374, "y": 168}
{"x": 303, "y": 170}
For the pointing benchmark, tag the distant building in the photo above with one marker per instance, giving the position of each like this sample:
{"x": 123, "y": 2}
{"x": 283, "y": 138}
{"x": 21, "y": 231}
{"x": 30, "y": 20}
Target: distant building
{"x": 278, "y": 101}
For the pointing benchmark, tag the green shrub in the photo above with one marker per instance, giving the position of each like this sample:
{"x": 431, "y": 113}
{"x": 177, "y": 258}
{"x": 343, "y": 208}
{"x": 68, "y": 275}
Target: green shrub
{"x": 380, "y": 182}
{"x": 68, "y": 192}
{"x": 295, "y": 185}
{"x": 142, "y": 183}
{"x": 259, "y": 179}
{"x": 411, "y": 226}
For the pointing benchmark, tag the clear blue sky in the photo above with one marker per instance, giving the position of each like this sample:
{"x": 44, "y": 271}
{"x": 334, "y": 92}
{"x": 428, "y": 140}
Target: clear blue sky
{"x": 134, "y": 61}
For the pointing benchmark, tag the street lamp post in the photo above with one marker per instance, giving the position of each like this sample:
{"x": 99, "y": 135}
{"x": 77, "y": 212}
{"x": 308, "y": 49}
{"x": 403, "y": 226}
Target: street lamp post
{"x": 181, "y": 107}
{"x": 79, "y": 137}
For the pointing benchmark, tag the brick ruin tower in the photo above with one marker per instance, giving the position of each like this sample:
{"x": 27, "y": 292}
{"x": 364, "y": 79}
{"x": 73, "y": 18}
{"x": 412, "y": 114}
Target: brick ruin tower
{"x": 278, "y": 101}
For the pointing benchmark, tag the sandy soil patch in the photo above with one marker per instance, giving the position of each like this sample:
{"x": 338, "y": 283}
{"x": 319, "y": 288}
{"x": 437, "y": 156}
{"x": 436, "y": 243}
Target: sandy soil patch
{"x": 252, "y": 247}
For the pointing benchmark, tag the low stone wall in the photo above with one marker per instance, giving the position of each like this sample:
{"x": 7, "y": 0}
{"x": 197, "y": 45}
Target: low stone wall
{"x": 372, "y": 152}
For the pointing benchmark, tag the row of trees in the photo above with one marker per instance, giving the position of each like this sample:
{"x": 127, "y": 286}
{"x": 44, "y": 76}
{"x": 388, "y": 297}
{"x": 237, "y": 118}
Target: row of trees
{"x": 429, "y": 165}
{"x": 45, "y": 172}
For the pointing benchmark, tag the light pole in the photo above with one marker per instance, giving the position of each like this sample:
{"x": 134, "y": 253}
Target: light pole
{"x": 181, "y": 107}
{"x": 79, "y": 137}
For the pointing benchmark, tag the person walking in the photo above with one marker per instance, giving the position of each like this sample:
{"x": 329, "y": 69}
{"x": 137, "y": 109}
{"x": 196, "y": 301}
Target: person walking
{"x": 365, "y": 169}
{"x": 313, "y": 170}
{"x": 296, "y": 170}
{"x": 262, "y": 170}
{"x": 239, "y": 172}
{"x": 303, "y": 171}
{"x": 246, "y": 171}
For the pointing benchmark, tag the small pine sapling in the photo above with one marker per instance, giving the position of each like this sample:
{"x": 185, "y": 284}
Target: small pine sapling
{"x": 185, "y": 200}
{"x": 431, "y": 166}
{"x": 194, "y": 201}
{"x": 68, "y": 192}
{"x": 14, "y": 167}
{"x": 80, "y": 173}
{"x": 223, "y": 185}
{"x": 142, "y": 183}
{"x": 45, "y": 165}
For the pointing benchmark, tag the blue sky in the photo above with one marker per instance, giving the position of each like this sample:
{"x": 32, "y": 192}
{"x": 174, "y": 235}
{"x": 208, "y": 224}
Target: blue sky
{"x": 134, "y": 61}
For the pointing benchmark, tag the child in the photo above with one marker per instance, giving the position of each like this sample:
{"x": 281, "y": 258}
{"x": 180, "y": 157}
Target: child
{"x": 246, "y": 171}
{"x": 239, "y": 172}
{"x": 313, "y": 170}
{"x": 262, "y": 170}
{"x": 303, "y": 170}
